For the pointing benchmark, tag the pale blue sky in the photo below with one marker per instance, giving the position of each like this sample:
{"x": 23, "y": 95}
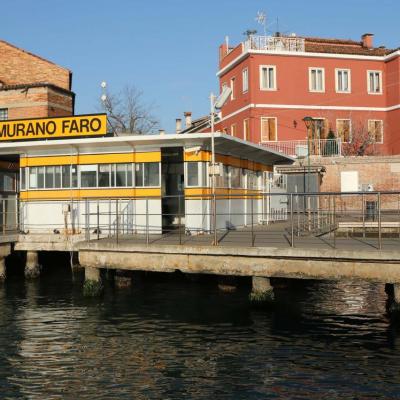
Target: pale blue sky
{"x": 169, "y": 48}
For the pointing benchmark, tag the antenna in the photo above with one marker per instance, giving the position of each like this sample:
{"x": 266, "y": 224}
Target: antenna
{"x": 261, "y": 18}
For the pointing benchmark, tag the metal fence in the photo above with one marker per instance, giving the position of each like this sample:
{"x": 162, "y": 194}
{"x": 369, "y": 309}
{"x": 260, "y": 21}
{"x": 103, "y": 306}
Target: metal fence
{"x": 301, "y": 148}
{"x": 363, "y": 220}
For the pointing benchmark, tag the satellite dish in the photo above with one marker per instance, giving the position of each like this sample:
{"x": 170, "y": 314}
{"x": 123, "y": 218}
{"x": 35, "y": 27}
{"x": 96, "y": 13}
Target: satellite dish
{"x": 223, "y": 97}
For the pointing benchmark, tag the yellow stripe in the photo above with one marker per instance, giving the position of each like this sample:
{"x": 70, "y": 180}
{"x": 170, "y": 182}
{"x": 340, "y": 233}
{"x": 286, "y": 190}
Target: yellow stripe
{"x": 78, "y": 194}
{"x": 153, "y": 156}
{"x": 200, "y": 156}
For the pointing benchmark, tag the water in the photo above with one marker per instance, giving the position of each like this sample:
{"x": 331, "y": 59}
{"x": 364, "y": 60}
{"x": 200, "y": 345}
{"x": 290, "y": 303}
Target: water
{"x": 177, "y": 339}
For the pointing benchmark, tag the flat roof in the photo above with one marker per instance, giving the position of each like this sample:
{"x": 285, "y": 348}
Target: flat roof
{"x": 224, "y": 144}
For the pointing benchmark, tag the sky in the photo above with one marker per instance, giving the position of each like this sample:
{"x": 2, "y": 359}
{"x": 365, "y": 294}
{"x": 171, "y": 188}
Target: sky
{"x": 168, "y": 49}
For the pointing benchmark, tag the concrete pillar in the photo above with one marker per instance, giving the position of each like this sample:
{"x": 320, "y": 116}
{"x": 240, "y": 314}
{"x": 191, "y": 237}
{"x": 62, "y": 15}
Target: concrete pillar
{"x": 396, "y": 293}
{"x": 92, "y": 286}
{"x": 32, "y": 267}
{"x": 262, "y": 290}
{"x": 2, "y": 269}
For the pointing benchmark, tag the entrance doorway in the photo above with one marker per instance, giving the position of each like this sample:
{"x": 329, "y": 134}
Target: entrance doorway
{"x": 172, "y": 188}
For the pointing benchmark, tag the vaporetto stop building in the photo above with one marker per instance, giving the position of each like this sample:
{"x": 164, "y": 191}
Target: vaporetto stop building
{"x": 70, "y": 180}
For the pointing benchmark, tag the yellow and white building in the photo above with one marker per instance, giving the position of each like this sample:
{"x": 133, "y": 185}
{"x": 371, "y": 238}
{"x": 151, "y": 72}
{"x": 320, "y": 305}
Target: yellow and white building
{"x": 159, "y": 181}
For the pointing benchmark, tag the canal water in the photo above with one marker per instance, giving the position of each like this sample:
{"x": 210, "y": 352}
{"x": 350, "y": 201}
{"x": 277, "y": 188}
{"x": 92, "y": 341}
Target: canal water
{"x": 175, "y": 338}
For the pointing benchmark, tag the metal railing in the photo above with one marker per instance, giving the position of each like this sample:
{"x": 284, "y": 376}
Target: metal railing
{"x": 275, "y": 43}
{"x": 300, "y": 148}
{"x": 354, "y": 221}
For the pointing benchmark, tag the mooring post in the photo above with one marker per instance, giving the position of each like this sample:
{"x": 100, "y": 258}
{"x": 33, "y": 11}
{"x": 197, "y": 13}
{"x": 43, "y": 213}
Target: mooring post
{"x": 93, "y": 285}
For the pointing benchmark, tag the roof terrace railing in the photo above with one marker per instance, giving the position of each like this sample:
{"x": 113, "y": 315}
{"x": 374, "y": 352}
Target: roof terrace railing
{"x": 300, "y": 148}
{"x": 275, "y": 43}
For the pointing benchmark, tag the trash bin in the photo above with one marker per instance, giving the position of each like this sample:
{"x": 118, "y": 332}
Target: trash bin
{"x": 371, "y": 208}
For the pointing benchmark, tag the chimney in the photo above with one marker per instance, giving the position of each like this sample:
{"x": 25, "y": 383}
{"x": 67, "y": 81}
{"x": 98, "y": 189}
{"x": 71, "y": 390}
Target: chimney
{"x": 188, "y": 119}
{"x": 178, "y": 128}
{"x": 161, "y": 131}
{"x": 368, "y": 40}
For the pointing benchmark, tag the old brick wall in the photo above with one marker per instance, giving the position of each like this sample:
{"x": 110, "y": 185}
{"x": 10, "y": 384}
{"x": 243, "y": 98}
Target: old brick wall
{"x": 18, "y": 67}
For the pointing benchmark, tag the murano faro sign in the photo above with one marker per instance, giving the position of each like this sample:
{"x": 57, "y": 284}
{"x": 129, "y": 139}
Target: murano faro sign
{"x": 60, "y": 127}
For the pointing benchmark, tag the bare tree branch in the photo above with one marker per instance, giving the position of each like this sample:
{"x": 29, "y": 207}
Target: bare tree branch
{"x": 128, "y": 114}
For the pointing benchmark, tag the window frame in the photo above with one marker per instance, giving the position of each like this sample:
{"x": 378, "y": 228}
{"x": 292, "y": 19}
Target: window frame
{"x": 311, "y": 90}
{"x": 382, "y": 129}
{"x": 350, "y": 129}
{"x": 234, "y": 129}
{"x": 337, "y": 70}
{"x": 232, "y": 86}
{"x": 246, "y": 132}
{"x": 245, "y": 82}
{"x": 261, "y": 81}
{"x": 261, "y": 129}
{"x": 380, "y": 74}
{"x": 5, "y": 111}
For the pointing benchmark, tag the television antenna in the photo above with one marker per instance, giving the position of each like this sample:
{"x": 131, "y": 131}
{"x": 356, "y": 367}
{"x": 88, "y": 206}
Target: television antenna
{"x": 261, "y": 18}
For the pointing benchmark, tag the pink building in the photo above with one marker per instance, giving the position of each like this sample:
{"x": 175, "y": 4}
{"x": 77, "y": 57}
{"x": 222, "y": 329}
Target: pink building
{"x": 351, "y": 90}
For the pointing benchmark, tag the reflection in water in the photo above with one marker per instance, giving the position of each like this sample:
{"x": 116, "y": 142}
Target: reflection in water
{"x": 184, "y": 340}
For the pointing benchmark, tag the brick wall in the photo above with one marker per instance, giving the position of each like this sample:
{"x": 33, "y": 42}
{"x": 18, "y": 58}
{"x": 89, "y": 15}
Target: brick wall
{"x": 382, "y": 172}
{"x": 18, "y": 67}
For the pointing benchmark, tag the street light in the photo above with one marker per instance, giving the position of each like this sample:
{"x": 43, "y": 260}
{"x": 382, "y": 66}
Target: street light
{"x": 216, "y": 104}
{"x": 309, "y": 123}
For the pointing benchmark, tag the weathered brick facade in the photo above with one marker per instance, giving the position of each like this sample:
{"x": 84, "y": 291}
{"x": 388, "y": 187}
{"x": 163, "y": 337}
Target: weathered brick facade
{"x": 32, "y": 87}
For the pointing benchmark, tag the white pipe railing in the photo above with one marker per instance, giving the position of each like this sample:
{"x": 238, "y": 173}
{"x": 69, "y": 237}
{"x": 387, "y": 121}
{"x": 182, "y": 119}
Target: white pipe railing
{"x": 275, "y": 43}
{"x": 300, "y": 148}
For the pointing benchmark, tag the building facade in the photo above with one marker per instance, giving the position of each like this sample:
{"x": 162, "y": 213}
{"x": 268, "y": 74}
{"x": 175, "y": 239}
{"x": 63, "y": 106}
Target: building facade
{"x": 351, "y": 89}
{"x": 32, "y": 87}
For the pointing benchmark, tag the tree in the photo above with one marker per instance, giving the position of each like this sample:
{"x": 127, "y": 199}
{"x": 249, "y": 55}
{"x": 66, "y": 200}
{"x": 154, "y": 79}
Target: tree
{"x": 127, "y": 113}
{"x": 362, "y": 142}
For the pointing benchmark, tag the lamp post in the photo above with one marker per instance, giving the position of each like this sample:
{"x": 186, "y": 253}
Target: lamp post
{"x": 215, "y": 104}
{"x": 309, "y": 123}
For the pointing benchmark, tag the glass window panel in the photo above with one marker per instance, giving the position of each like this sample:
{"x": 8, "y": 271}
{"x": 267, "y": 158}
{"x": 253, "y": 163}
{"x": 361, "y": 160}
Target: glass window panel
{"x": 49, "y": 177}
{"x": 129, "y": 174}
{"x": 235, "y": 177}
{"x": 33, "y": 181}
{"x": 139, "y": 174}
{"x": 74, "y": 175}
{"x": 151, "y": 174}
{"x": 23, "y": 178}
{"x": 121, "y": 175}
{"x": 193, "y": 174}
{"x": 88, "y": 175}
{"x": 66, "y": 176}
{"x": 40, "y": 179}
{"x": 104, "y": 175}
{"x": 57, "y": 176}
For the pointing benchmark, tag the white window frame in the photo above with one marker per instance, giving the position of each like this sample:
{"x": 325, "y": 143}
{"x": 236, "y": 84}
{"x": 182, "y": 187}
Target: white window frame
{"x": 246, "y": 134}
{"x": 245, "y": 80}
{"x": 350, "y": 129}
{"x": 337, "y": 70}
{"x": 310, "y": 69}
{"x": 266, "y": 88}
{"x": 261, "y": 127}
{"x": 232, "y": 86}
{"x": 371, "y": 71}
{"x": 382, "y": 129}
{"x": 234, "y": 125}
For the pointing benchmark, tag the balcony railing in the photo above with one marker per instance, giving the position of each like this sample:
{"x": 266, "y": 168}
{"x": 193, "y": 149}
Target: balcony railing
{"x": 300, "y": 148}
{"x": 272, "y": 43}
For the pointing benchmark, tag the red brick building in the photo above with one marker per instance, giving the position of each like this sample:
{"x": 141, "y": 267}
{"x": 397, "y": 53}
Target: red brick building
{"x": 350, "y": 88}
{"x": 32, "y": 87}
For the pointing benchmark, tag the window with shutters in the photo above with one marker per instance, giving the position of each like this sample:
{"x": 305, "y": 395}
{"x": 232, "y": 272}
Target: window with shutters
{"x": 343, "y": 130}
{"x": 268, "y": 129}
{"x": 375, "y": 130}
